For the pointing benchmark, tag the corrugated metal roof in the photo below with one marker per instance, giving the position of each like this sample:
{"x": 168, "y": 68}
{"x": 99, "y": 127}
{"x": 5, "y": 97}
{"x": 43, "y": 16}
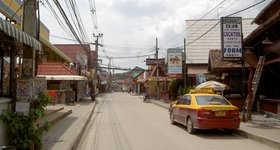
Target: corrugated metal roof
{"x": 197, "y": 52}
{"x": 19, "y": 35}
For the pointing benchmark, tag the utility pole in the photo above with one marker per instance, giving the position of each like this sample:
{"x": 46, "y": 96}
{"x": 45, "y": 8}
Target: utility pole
{"x": 158, "y": 96}
{"x": 94, "y": 86}
{"x": 109, "y": 75}
{"x": 29, "y": 25}
{"x": 184, "y": 65}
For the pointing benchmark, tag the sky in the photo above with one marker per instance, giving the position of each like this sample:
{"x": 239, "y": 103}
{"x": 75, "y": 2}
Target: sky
{"x": 130, "y": 27}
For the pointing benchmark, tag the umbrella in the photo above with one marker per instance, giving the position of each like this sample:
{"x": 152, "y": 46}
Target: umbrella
{"x": 216, "y": 86}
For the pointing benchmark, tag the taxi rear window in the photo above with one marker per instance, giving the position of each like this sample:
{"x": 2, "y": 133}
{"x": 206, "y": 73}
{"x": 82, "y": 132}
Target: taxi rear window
{"x": 211, "y": 100}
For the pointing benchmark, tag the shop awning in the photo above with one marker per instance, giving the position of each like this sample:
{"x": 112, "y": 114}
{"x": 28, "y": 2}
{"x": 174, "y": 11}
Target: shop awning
{"x": 64, "y": 77}
{"x": 54, "y": 49}
{"x": 19, "y": 35}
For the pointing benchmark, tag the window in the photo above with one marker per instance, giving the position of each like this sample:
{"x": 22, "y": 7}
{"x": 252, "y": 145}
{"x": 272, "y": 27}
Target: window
{"x": 184, "y": 100}
{"x": 180, "y": 101}
{"x": 211, "y": 100}
{"x": 188, "y": 101}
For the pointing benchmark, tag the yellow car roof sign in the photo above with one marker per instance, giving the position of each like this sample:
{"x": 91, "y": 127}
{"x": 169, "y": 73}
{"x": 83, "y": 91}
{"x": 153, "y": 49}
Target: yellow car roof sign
{"x": 202, "y": 90}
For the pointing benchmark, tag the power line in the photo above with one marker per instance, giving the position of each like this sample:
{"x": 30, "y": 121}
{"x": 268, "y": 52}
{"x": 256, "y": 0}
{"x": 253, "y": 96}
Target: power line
{"x": 226, "y": 16}
{"x": 60, "y": 22}
{"x": 69, "y": 23}
{"x": 92, "y": 6}
{"x": 127, "y": 57}
{"x": 196, "y": 21}
{"x": 59, "y": 37}
{"x": 76, "y": 19}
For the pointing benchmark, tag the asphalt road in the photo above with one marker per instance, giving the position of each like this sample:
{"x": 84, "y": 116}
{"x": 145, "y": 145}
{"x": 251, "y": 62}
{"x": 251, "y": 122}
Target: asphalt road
{"x": 123, "y": 122}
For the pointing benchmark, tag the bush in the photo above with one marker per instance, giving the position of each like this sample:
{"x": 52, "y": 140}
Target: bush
{"x": 183, "y": 90}
{"x": 174, "y": 88}
{"x": 23, "y": 132}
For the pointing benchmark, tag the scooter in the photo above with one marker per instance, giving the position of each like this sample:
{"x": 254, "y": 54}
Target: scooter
{"x": 146, "y": 99}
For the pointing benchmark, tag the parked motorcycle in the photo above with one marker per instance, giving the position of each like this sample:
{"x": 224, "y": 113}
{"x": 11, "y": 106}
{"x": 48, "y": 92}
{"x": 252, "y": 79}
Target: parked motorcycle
{"x": 146, "y": 99}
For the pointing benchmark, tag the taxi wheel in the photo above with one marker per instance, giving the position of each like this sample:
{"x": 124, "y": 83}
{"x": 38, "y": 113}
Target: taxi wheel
{"x": 190, "y": 128}
{"x": 172, "y": 118}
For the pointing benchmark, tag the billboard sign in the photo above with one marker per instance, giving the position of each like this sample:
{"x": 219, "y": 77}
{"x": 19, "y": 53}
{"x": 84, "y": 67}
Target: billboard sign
{"x": 231, "y": 37}
{"x": 174, "y": 57}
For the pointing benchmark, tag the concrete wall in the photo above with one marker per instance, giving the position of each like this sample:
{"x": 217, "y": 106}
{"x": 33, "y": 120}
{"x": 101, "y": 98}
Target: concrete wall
{"x": 4, "y": 105}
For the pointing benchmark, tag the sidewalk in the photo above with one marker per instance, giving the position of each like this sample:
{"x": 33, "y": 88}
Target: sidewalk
{"x": 67, "y": 132}
{"x": 261, "y": 129}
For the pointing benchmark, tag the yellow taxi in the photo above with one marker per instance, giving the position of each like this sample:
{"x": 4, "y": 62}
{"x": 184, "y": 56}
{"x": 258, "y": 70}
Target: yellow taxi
{"x": 204, "y": 110}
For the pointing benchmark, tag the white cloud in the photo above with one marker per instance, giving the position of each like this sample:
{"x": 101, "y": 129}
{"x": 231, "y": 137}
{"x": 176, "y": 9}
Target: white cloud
{"x": 134, "y": 24}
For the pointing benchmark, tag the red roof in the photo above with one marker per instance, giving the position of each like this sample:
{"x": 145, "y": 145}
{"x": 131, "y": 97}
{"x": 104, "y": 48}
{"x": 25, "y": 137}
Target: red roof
{"x": 72, "y": 50}
{"x": 55, "y": 69}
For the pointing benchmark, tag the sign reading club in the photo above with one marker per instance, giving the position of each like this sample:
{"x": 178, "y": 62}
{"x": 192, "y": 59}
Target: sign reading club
{"x": 231, "y": 37}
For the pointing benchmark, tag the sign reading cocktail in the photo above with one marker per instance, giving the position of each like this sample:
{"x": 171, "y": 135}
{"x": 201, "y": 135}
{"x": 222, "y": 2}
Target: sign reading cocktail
{"x": 231, "y": 37}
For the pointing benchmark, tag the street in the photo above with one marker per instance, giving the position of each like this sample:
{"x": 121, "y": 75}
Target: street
{"x": 123, "y": 122}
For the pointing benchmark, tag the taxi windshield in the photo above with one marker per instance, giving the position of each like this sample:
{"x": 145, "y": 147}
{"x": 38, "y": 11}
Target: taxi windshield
{"x": 211, "y": 100}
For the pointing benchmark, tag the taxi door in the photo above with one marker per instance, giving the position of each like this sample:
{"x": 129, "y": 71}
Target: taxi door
{"x": 175, "y": 110}
{"x": 182, "y": 109}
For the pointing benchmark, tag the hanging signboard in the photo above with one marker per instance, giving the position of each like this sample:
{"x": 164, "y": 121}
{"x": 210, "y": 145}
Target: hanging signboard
{"x": 231, "y": 37}
{"x": 174, "y": 57}
{"x": 152, "y": 61}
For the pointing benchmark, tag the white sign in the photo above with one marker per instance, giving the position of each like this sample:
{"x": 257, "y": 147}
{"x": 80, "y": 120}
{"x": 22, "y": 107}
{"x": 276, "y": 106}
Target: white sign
{"x": 231, "y": 37}
{"x": 174, "y": 57}
{"x": 22, "y": 108}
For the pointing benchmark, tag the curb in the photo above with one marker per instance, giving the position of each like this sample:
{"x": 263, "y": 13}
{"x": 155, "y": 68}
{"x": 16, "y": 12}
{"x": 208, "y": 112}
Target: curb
{"x": 79, "y": 137}
{"x": 268, "y": 142}
{"x": 49, "y": 113}
{"x": 159, "y": 104}
{"x": 54, "y": 117}
{"x": 257, "y": 138}
{"x": 61, "y": 117}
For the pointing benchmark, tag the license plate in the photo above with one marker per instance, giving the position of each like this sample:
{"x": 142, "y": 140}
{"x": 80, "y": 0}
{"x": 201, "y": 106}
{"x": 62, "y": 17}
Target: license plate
{"x": 220, "y": 113}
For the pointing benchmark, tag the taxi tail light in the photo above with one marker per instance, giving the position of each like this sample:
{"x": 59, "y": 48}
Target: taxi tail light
{"x": 234, "y": 112}
{"x": 203, "y": 112}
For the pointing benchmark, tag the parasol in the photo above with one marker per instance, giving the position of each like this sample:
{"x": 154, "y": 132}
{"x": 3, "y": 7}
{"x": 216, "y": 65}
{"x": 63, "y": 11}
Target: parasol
{"x": 215, "y": 85}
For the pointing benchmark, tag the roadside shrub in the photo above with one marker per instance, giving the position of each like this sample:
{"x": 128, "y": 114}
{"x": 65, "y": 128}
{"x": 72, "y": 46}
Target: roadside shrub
{"x": 24, "y": 133}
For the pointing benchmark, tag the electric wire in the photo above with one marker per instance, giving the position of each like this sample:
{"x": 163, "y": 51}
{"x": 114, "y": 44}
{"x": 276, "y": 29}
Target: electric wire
{"x": 60, "y": 22}
{"x": 127, "y": 57}
{"x": 226, "y": 16}
{"x": 196, "y": 21}
{"x": 69, "y": 24}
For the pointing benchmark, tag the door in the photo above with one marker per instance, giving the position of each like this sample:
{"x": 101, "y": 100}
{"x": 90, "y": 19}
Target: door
{"x": 182, "y": 109}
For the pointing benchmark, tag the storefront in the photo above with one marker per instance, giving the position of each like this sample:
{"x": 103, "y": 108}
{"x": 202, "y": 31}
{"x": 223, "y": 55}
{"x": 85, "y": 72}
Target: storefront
{"x": 264, "y": 41}
{"x": 231, "y": 72}
{"x": 67, "y": 87}
{"x": 12, "y": 43}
